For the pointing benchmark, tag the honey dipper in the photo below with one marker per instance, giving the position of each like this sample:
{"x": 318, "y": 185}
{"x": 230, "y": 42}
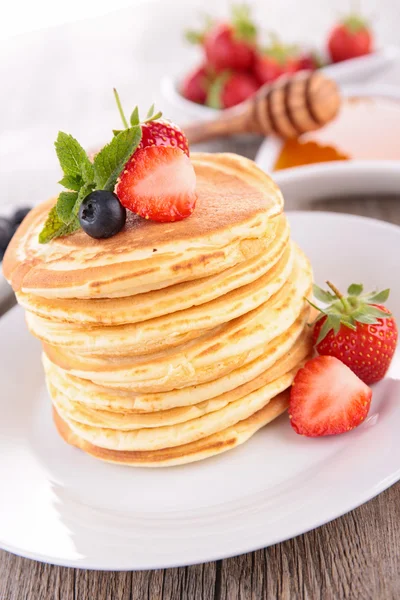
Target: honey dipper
{"x": 288, "y": 107}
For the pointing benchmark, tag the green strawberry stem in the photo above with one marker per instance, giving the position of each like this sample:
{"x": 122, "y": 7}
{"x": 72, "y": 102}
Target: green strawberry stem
{"x": 342, "y": 299}
{"x": 121, "y": 111}
{"x": 243, "y": 25}
{"x": 356, "y": 307}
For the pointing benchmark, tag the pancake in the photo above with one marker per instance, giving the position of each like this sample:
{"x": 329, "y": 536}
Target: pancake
{"x": 168, "y": 331}
{"x": 179, "y": 455}
{"x": 232, "y": 220}
{"x": 117, "y": 419}
{"x": 186, "y": 432}
{"x": 119, "y": 311}
{"x": 297, "y": 340}
{"x": 208, "y": 357}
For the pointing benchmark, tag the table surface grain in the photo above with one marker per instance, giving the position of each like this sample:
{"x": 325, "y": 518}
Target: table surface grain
{"x": 354, "y": 557}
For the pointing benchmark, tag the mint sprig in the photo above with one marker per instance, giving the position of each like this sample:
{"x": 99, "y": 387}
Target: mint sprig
{"x": 110, "y": 161}
{"x": 81, "y": 177}
{"x": 55, "y": 227}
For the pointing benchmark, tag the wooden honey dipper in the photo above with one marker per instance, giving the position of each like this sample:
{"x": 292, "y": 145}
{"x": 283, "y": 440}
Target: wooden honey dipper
{"x": 288, "y": 107}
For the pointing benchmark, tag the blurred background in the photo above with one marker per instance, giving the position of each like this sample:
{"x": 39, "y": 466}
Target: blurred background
{"x": 60, "y": 61}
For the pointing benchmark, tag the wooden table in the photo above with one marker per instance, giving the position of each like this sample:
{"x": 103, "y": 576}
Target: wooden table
{"x": 354, "y": 557}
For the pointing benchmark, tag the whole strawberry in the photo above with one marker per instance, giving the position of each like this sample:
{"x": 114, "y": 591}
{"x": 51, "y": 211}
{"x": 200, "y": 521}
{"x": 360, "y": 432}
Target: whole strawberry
{"x": 275, "y": 60}
{"x": 230, "y": 89}
{"x": 195, "y": 85}
{"x": 350, "y": 39}
{"x": 357, "y": 329}
{"x": 229, "y": 45}
{"x": 155, "y": 130}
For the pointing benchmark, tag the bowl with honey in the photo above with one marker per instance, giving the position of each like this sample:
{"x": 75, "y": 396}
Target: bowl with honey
{"x": 359, "y": 151}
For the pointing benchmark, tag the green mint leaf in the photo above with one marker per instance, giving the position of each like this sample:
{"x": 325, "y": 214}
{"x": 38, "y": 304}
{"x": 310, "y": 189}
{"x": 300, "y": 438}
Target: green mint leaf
{"x": 71, "y": 155}
{"x": 71, "y": 183}
{"x": 322, "y": 295}
{"x": 54, "y": 227}
{"x": 355, "y": 289}
{"x": 65, "y": 206}
{"x": 378, "y": 297}
{"x": 85, "y": 190}
{"x": 135, "y": 120}
{"x": 87, "y": 172}
{"x": 110, "y": 161}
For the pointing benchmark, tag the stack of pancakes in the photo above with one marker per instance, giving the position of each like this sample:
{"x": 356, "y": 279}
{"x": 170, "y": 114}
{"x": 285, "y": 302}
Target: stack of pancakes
{"x": 170, "y": 343}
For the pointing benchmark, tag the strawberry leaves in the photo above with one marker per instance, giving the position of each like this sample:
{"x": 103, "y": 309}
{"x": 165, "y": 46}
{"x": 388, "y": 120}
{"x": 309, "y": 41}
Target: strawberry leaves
{"x": 348, "y": 310}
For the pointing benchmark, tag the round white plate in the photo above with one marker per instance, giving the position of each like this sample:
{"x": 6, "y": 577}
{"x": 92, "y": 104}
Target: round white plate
{"x": 322, "y": 180}
{"x": 61, "y": 506}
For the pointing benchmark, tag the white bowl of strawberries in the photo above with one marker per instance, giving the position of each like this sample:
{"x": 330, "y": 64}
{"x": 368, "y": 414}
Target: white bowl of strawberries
{"x": 236, "y": 64}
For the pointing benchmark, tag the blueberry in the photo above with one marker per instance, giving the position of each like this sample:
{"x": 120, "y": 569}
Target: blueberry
{"x": 6, "y": 233}
{"x": 20, "y": 215}
{"x": 101, "y": 214}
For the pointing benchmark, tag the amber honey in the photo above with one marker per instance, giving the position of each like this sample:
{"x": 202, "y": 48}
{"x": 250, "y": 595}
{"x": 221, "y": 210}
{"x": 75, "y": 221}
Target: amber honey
{"x": 365, "y": 129}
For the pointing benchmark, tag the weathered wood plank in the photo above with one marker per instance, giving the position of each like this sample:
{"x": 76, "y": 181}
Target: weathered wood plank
{"x": 23, "y": 579}
{"x": 354, "y": 557}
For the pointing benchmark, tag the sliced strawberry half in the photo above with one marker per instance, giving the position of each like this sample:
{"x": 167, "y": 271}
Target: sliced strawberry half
{"x": 327, "y": 398}
{"x": 158, "y": 183}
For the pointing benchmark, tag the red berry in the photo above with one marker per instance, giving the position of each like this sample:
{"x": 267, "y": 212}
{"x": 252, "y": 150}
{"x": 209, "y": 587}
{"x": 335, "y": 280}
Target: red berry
{"x": 350, "y": 39}
{"x": 327, "y": 398}
{"x": 367, "y": 351}
{"x": 163, "y": 133}
{"x": 195, "y": 85}
{"x": 158, "y": 183}
{"x": 307, "y": 62}
{"x": 267, "y": 69}
{"x": 275, "y": 60}
{"x": 230, "y": 89}
{"x": 225, "y": 50}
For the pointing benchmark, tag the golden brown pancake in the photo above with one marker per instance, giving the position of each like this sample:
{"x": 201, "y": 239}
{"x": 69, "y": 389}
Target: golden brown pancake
{"x": 150, "y": 305}
{"x": 180, "y": 455}
{"x": 231, "y": 224}
{"x": 170, "y": 342}
{"x": 219, "y": 351}
{"x": 296, "y": 339}
{"x": 168, "y": 331}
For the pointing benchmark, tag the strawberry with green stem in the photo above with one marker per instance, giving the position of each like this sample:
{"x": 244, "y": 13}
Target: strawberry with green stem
{"x": 351, "y": 37}
{"x": 229, "y": 45}
{"x": 231, "y": 88}
{"x": 275, "y": 60}
{"x": 155, "y": 130}
{"x": 357, "y": 329}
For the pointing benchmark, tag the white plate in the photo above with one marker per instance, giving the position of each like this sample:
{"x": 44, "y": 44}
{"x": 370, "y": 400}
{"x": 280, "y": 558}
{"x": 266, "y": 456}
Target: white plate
{"x": 61, "y": 506}
{"x": 350, "y": 71}
{"x": 323, "y": 180}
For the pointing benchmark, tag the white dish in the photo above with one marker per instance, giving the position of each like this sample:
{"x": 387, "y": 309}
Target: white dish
{"x": 355, "y": 70}
{"x": 60, "y": 506}
{"x": 322, "y": 180}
